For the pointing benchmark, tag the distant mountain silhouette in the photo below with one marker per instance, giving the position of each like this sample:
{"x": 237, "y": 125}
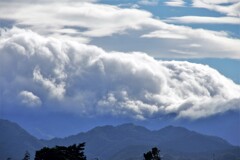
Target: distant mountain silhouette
{"x": 123, "y": 142}
{"x": 129, "y": 141}
{"x": 183, "y": 140}
{"x": 15, "y": 141}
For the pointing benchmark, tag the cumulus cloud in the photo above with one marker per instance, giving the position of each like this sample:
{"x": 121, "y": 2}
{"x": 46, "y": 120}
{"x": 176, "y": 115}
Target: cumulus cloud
{"x": 55, "y": 90}
{"x": 87, "y": 80}
{"x": 29, "y": 99}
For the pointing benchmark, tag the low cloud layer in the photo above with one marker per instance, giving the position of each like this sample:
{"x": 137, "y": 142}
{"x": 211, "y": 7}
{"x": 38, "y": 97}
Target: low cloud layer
{"x": 84, "y": 79}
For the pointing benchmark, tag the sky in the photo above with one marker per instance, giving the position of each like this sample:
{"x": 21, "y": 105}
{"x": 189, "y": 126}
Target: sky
{"x": 81, "y": 63}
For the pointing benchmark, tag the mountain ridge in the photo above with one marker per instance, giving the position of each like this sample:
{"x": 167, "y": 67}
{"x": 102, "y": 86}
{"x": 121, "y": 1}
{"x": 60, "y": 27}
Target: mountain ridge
{"x": 14, "y": 139}
{"x": 170, "y": 138}
{"x": 125, "y": 141}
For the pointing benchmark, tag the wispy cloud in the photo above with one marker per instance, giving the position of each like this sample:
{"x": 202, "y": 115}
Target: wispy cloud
{"x": 98, "y": 20}
{"x": 221, "y": 1}
{"x": 202, "y": 20}
{"x": 232, "y": 9}
{"x": 165, "y": 34}
{"x": 148, "y": 2}
{"x": 85, "y": 21}
{"x": 175, "y": 3}
{"x": 44, "y": 1}
{"x": 86, "y": 80}
{"x": 207, "y": 38}
{"x": 183, "y": 52}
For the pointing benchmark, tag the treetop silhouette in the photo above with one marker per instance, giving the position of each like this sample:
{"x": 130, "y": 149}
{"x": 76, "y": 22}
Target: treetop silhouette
{"x": 152, "y": 155}
{"x": 73, "y": 152}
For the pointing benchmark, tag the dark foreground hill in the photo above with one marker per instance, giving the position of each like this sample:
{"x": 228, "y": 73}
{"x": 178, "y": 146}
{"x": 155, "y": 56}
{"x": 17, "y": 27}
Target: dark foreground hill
{"x": 124, "y": 142}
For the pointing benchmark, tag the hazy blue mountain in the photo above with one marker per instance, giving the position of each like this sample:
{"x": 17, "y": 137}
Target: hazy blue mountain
{"x": 129, "y": 141}
{"x": 183, "y": 140}
{"x": 15, "y": 141}
{"x": 123, "y": 142}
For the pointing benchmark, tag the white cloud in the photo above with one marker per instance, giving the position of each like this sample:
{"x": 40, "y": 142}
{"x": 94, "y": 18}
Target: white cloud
{"x": 220, "y": 1}
{"x": 55, "y": 90}
{"x": 175, "y": 3}
{"x": 164, "y": 34}
{"x": 227, "y": 46}
{"x": 29, "y": 99}
{"x": 85, "y": 79}
{"x": 183, "y": 52}
{"x": 83, "y": 21}
{"x": 232, "y": 9}
{"x": 208, "y": 20}
{"x": 44, "y": 1}
{"x": 193, "y": 45}
{"x": 148, "y": 2}
{"x": 129, "y": 5}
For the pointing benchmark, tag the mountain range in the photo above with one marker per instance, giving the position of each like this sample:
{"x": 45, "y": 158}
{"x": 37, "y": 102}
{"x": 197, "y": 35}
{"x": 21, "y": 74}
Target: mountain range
{"x": 123, "y": 142}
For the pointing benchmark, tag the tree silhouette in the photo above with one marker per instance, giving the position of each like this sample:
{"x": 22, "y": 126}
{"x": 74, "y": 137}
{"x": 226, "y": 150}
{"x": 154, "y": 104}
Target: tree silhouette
{"x": 26, "y": 156}
{"x": 155, "y": 153}
{"x": 73, "y": 152}
{"x": 152, "y": 155}
{"x": 148, "y": 156}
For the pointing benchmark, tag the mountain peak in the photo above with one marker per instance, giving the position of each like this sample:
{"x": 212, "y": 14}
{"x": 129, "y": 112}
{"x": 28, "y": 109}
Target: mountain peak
{"x": 174, "y": 128}
{"x": 132, "y": 127}
{"x": 126, "y": 125}
{"x": 20, "y": 141}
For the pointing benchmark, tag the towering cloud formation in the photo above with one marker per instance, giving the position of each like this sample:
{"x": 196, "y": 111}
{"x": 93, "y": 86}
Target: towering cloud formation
{"x": 87, "y": 80}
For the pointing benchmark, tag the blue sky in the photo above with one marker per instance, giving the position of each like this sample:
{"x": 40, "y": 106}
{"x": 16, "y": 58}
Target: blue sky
{"x": 99, "y": 62}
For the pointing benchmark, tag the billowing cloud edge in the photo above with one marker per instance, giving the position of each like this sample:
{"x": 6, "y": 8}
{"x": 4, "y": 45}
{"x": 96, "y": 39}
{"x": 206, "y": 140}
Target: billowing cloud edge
{"x": 29, "y": 99}
{"x": 86, "y": 80}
